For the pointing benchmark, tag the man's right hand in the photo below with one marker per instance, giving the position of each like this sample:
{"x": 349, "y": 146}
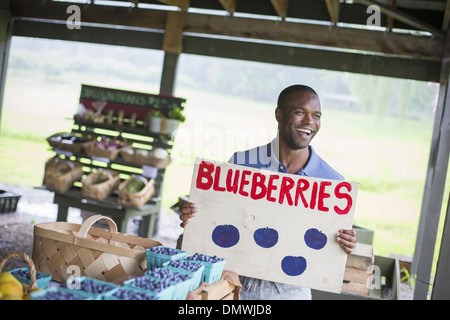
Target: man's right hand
{"x": 188, "y": 211}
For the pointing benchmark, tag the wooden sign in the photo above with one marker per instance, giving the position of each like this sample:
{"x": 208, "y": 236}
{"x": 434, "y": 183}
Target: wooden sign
{"x": 128, "y": 101}
{"x": 270, "y": 225}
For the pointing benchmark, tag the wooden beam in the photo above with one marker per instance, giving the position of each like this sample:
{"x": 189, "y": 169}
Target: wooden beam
{"x": 405, "y": 45}
{"x": 441, "y": 282}
{"x": 333, "y": 7}
{"x": 403, "y": 17}
{"x": 229, "y": 5}
{"x": 390, "y": 19}
{"x": 281, "y": 7}
{"x": 445, "y": 21}
{"x": 434, "y": 184}
{"x": 174, "y": 31}
{"x": 290, "y": 55}
{"x": 182, "y": 4}
{"x": 319, "y": 35}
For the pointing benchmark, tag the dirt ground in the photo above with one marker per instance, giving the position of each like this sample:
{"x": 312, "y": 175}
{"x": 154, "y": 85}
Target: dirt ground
{"x": 36, "y": 206}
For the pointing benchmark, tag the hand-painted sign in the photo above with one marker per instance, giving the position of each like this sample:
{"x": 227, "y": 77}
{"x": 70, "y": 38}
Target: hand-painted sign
{"x": 270, "y": 225}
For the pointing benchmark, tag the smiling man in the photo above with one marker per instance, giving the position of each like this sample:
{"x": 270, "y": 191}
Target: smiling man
{"x": 298, "y": 114}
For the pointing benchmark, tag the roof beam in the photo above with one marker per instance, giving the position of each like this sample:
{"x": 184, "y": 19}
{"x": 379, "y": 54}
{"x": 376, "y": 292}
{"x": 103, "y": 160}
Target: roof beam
{"x": 333, "y": 7}
{"x": 403, "y": 17}
{"x": 229, "y": 5}
{"x": 445, "y": 21}
{"x": 182, "y": 4}
{"x": 174, "y": 31}
{"x": 406, "y": 45}
{"x": 281, "y": 7}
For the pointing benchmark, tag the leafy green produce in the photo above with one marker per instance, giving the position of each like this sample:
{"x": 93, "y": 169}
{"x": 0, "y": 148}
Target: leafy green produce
{"x": 135, "y": 185}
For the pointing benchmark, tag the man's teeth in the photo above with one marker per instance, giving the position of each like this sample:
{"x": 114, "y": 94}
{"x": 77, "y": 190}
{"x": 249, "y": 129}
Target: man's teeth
{"x": 305, "y": 131}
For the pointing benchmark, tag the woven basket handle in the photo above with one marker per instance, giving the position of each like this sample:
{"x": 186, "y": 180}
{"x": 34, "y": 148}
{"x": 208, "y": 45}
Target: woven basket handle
{"x": 30, "y": 262}
{"x": 87, "y": 224}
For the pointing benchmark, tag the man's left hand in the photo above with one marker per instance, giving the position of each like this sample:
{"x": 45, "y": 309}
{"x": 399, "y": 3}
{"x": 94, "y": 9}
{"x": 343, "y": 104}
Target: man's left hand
{"x": 347, "y": 240}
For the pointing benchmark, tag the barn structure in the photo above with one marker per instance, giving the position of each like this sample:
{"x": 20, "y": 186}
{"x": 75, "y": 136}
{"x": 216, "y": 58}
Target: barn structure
{"x": 406, "y": 39}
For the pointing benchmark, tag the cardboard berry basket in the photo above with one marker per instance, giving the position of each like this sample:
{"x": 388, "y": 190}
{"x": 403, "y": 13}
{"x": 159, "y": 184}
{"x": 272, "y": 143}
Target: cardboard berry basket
{"x": 155, "y": 260}
{"x": 96, "y": 253}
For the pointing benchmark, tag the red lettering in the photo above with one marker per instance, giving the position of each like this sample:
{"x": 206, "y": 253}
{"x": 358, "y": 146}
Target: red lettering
{"x": 216, "y": 181}
{"x": 340, "y": 195}
{"x": 232, "y": 186}
{"x": 312, "y": 203}
{"x": 244, "y": 182}
{"x": 323, "y": 195}
{"x": 205, "y": 170}
{"x": 302, "y": 185}
{"x": 286, "y": 185}
{"x": 271, "y": 188}
{"x": 258, "y": 182}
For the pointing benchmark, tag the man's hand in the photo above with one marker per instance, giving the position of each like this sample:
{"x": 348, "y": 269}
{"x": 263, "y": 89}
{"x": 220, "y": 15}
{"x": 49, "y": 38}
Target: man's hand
{"x": 188, "y": 211}
{"x": 347, "y": 240}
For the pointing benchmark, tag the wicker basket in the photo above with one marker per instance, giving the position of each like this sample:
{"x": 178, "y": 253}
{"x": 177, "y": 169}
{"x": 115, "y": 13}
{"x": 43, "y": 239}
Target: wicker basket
{"x": 72, "y": 147}
{"x": 136, "y": 199}
{"x": 101, "y": 190}
{"x": 61, "y": 174}
{"x": 96, "y": 253}
{"x": 26, "y": 288}
{"x": 133, "y": 156}
{"x": 93, "y": 151}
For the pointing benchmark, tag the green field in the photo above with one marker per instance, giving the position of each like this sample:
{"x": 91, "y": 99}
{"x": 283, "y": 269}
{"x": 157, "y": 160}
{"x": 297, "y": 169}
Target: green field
{"x": 387, "y": 158}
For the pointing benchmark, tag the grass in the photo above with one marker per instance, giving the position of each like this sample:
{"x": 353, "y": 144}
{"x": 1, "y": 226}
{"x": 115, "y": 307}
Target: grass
{"x": 388, "y": 159}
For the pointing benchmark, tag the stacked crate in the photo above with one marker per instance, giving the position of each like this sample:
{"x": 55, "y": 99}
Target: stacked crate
{"x": 358, "y": 270}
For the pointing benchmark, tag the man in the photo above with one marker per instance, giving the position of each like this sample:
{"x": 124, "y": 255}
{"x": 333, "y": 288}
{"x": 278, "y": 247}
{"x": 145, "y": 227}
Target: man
{"x": 298, "y": 115}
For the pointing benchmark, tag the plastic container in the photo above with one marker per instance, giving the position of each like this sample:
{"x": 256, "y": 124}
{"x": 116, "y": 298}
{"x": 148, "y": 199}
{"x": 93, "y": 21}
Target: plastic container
{"x": 8, "y": 201}
{"x": 128, "y": 293}
{"x": 156, "y": 260}
{"x": 164, "y": 293}
{"x": 181, "y": 287}
{"x": 196, "y": 275}
{"x": 95, "y": 288}
{"x": 60, "y": 293}
{"x": 42, "y": 279}
{"x": 213, "y": 270}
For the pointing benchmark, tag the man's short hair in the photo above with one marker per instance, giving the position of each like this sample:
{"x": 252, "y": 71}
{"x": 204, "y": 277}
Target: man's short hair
{"x": 293, "y": 88}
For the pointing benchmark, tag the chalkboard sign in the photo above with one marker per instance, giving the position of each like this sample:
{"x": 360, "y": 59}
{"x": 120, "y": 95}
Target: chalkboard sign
{"x": 93, "y": 97}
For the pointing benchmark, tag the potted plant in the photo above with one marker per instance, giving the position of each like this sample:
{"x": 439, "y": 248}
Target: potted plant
{"x": 154, "y": 119}
{"x": 175, "y": 117}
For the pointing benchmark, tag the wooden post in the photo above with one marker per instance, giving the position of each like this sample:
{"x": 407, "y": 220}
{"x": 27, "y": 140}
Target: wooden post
{"x": 172, "y": 49}
{"x": 5, "y": 40}
{"x": 442, "y": 279}
{"x": 434, "y": 184}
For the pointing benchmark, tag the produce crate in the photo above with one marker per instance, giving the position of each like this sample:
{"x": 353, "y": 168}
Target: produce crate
{"x": 156, "y": 260}
{"x": 389, "y": 275}
{"x": 220, "y": 290}
{"x": 42, "y": 279}
{"x": 8, "y": 201}
{"x": 182, "y": 285}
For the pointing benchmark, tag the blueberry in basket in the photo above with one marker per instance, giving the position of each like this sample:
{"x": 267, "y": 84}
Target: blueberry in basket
{"x": 126, "y": 294}
{"x": 94, "y": 287}
{"x": 204, "y": 258}
{"x": 154, "y": 285}
{"x": 168, "y": 275}
{"x": 165, "y": 250}
{"x": 25, "y": 273}
{"x": 185, "y": 265}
